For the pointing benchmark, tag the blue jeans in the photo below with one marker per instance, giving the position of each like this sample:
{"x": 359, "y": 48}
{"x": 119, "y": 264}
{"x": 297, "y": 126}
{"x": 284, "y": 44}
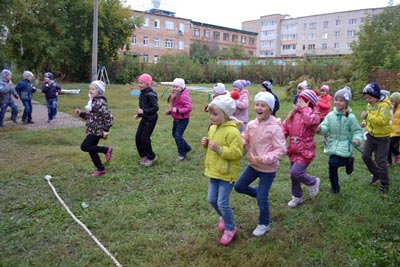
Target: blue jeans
{"x": 178, "y": 128}
{"x": 14, "y": 110}
{"x": 51, "y": 108}
{"x": 261, "y": 192}
{"x": 219, "y": 192}
{"x": 27, "y": 115}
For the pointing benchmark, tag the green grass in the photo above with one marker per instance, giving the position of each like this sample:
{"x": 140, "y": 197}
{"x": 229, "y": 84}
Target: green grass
{"x": 159, "y": 216}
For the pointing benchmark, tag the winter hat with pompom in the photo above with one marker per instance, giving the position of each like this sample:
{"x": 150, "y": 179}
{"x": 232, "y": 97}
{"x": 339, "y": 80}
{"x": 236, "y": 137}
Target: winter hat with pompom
{"x": 241, "y": 84}
{"x": 309, "y": 96}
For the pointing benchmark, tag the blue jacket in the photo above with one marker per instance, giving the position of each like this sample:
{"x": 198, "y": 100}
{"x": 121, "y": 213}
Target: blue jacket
{"x": 25, "y": 89}
{"x": 51, "y": 89}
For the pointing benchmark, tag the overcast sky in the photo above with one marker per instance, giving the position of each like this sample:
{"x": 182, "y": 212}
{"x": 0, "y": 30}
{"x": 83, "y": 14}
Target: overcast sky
{"x": 231, "y": 14}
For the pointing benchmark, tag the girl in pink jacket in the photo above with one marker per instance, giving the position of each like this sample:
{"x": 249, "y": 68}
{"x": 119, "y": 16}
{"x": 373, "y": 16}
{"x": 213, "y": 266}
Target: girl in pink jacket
{"x": 300, "y": 126}
{"x": 242, "y": 103}
{"x": 266, "y": 145}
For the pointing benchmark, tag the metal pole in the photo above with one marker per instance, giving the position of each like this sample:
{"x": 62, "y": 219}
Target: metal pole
{"x": 95, "y": 37}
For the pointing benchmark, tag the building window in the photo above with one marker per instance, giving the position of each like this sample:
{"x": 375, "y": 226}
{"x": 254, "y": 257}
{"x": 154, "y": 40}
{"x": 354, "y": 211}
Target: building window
{"x": 157, "y": 23}
{"x": 362, "y": 20}
{"x": 270, "y": 23}
{"x": 289, "y": 47}
{"x": 146, "y": 22}
{"x": 157, "y": 42}
{"x": 216, "y": 35}
{"x": 145, "y": 58}
{"x": 336, "y": 45}
{"x": 169, "y": 43}
{"x": 305, "y": 26}
{"x": 134, "y": 40}
{"x": 312, "y": 26}
{"x": 325, "y": 35}
{"x": 145, "y": 40}
{"x": 348, "y": 46}
{"x": 337, "y": 34}
{"x": 311, "y": 36}
{"x": 225, "y": 36}
{"x": 269, "y": 33}
{"x": 324, "y": 46}
{"x": 337, "y": 22}
{"x": 251, "y": 41}
{"x": 181, "y": 28}
{"x": 311, "y": 47}
{"x": 169, "y": 25}
{"x": 352, "y": 21}
{"x": 351, "y": 33}
{"x": 181, "y": 45}
{"x": 155, "y": 59}
{"x": 196, "y": 32}
{"x": 243, "y": 39}
{"x": 207, "y": 33}
{"x": 235, "y": 38}
{"x": 326, "y": 24}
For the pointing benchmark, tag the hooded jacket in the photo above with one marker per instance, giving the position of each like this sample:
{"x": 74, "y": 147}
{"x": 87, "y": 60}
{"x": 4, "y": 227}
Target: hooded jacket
{"x": 378, "y": 119}
{"x": 100, "y": 119}
{"x": 242, "y": 106}
{"x": 183, "y": 105}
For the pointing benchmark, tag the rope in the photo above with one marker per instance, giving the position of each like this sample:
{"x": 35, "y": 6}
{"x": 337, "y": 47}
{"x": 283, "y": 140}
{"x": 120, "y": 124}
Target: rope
{"x": 48, "y": 178}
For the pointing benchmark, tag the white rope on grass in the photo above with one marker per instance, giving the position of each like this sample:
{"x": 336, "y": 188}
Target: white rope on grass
{"x": 48, "y": 178}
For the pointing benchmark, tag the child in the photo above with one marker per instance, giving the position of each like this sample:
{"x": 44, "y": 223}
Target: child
{"x": 25, "y": 89}
{"x": 324, "y": 102}
{"x": 395, "y": 133}
{"x": 7, "y": 91}
{"x": 300, "y": 126}
{"x": 343, "y": 132}
{"x": 51, "y": 90}
{"x": 266, "y": 142}
{"x": 224, "y": 149}
{"x": 181, "y": 106}
{"x": 377, "y": 122}
{"x": 267, "y": 86}
{"x": 147, "y": 112}
{"x": 300, "y": 87}
{"x": 218, "y": 89}
{"x": 242, "y": 103}
{"x": 99, "y": 121}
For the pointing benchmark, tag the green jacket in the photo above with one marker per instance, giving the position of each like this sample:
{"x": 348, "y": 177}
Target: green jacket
{"x": 224, "y": 166}
{"x": 378, "y": 119}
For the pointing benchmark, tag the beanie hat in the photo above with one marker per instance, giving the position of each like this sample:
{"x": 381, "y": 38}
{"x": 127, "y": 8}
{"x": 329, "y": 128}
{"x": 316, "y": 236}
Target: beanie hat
{"x": 100, "y": 86}
{"x": 373, "y": 90}
{"x": 309, "y": 96}
{"x": 146, "y": 78}
{"x": 5, "y": 73}
{"x": 324, "y": 88}
{"x": 267, "y": 85}
{"x": 48, "y": 75}
{"x": 27, "y": 74}
{"x": 241, "y": 84}
{"x": 303, "y": 85}
{"x": 219, "y": 88}
{"x": 395, "y": 96}
{"x": 179, "y": 82}
{"x": 267, "y": 98}
{"x": 225, "y": 103}
{"x": 344, "y": 93}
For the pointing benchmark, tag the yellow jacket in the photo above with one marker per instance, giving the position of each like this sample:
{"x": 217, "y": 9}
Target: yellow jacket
{"x": 378, "y": 119}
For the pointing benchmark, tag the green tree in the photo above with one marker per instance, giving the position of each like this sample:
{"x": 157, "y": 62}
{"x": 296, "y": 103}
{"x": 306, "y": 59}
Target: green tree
{"x": 235, "y": 51}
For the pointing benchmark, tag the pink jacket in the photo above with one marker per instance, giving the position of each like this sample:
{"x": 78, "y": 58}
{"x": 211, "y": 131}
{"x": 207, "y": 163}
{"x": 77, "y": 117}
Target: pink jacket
{"x": 301, "y": 130}
{"x": 183, "y": 104}
{"x": 264, "y": 139}
{"x": 242, "y": 106}
{"x": 324, "y": 105}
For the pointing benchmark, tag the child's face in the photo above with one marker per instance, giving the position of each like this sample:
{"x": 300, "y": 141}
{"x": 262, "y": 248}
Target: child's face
{"x": 93, "y": 91}
{"x": 322, "y": 92}
{"x": 176, "y": 89}
{"x": 262, "y": 110}
{"x": 46, "y": 79}
{"x": 393, "y": 101}
{"x": 216, "y": 115}
{"x": 370, "y": 99}
{"x": 142, "y": 85}
{"x": 299, "y": 89}
{"x": 340, "y": 104}
{"x": 236, "y": 89}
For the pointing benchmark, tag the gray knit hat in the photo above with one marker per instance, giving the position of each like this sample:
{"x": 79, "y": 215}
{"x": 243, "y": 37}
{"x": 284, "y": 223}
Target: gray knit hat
{"x": 344, "y": 93}
{"x": 27, "y": 74}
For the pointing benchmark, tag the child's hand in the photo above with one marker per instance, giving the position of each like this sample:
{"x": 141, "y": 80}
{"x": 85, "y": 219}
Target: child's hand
{"x": 356, "y": 142}
{"x": 213, "y": 146}
{"x": 77, "y": 111}
{"x": 167, "y": 112}
{"x": 137, "y": 116}
{"x": 140, "y": 111}
{"x": 364, "y": 115}
{"x": 105, "y": 135}
{"x": 174, "y": 110}
{"x": 204, "y": 141}
{"x": 301, "y": 103}
{"x": 363, "y": 124}
{"x": 318, "y": 129}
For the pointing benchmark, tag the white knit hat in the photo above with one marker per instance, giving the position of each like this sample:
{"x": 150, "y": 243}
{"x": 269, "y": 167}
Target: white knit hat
{"x": 267, "y": 98}
{"x": 219, "y": 88}
{"x": 179, "y": 82}
{"x": 27, "y": 74}
{"x": 225, "y": 103}
{"x": 303, "y": 85}
{"x": 100, "y": 86}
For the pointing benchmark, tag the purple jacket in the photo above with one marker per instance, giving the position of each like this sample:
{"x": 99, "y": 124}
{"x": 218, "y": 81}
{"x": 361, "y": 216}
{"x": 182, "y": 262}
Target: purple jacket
{"x": 183, "y": 105}
{"x": 242, "y": 106}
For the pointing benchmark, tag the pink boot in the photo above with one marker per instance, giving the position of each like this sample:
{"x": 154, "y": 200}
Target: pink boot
{"x": 228, "y": 236}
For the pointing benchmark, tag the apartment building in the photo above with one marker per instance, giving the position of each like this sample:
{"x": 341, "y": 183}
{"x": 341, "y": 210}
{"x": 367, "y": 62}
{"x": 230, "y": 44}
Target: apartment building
{"x": 322, "y": 35}
{"x": 162, "y": 33}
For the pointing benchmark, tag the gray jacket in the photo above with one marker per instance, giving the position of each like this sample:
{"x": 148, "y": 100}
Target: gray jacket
{"x": 7, "y": 90}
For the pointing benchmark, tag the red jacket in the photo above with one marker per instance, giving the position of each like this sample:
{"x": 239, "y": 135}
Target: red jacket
{"x": 324, "y": 105}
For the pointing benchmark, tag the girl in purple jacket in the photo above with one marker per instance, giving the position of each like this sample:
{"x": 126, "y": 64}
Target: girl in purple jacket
{"x": 300, "y": 126}
{"x": 242, "y": 103}
{"x": 181, "y": 106}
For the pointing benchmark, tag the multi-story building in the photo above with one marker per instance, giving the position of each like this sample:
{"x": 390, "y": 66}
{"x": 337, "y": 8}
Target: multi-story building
{"x": 162, "y": 33}
{"x": 321, "y": 35}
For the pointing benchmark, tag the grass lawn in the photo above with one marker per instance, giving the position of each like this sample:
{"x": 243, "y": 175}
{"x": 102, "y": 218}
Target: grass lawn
{"x": 159, "y": 216}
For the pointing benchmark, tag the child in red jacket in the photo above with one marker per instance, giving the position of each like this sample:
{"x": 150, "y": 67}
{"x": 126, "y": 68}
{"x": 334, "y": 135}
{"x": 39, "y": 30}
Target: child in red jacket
{"x": 324, "y": 102}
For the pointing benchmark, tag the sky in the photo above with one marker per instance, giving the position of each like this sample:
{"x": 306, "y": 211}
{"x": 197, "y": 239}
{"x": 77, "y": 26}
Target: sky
{"x": 231, "y": 14}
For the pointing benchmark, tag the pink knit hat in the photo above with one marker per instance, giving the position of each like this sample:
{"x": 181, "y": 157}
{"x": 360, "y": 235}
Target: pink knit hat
{"x": 309, "y": 96}
{"x": 146, "y": 78}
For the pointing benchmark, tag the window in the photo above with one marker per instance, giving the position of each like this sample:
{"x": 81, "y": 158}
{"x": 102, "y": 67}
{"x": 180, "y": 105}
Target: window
{"x": 225, "y": 36}
{"x": 312, "y": 26}
{"x": 311, "y": 36}
{"x": 181, "y": 44}
{"x": 146, "y": 22}
{"x": 235, "y": 38}
{"x": 351, "y": 33}
{"x": 337, "y": 22}
{"x": 251, "y": 40}
{"x": 311, "y": 47}
{"x": 326, "y": 24}
{"x": 145, "y": 58}
{"x": 291, "y": 36}
{"x": 289, "y": 27}
{"x": 336, "y": 45}
{"x": 169, "y": 43}
{"x": 337, "y": 34}
{"x": 145, "y": 40}
{"x": 157, "y": 42}
{"x": 169, "y": 25}
{"x": 243, "y": 39}
{"x": 289, "y": 47}
{"x": 324, "y": 46}
{"x": 181, "y": 28}
{"x": 352, "y": 21}
{"x": 207, "y": 33}
{"x": 157, "y": 23}
{"x": 362, "y": 20}
{"x": 325, "y": 35}
{"x": 134, "y": 40}
{"x": 196, "y": 32}
{"x": 216, "y": 35}
{"x": 348, "y": 46}
{"x": 269, "y": 33}
{"x": 305, "y": 26}
{"x": 155, "y": 59}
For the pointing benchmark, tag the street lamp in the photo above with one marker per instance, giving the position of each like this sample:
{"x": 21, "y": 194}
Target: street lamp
{"x": 95, "y": 37}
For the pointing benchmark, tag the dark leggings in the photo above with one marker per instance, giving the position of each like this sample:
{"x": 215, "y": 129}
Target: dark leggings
{"x": 90, "y": 145}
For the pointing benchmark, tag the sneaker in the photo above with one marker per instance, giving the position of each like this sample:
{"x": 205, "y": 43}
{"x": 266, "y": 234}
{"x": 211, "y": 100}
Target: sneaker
{"x": 149, "y": 162}
{"x": 350, "y": 166}
{"x": 228, "y": 236}
{"x": 49, "y": 121}
{"x": 180, "y": 158}
{"x": 314, "y": 189}
{"x": 142, "y": 160}
{"x": 260, "y": 230}
{"x": 98, "y": 173}
{"x": 221, "y": 225}
{"x": 24, "y": 122}
{"x": 373, "y": 179}
{"x": 109, "y": 153}
{"x": 30, "y": 122}
{"x": 397, "y": 159}
{"x": 383, "y": 188}
{"x": 295, "y": 201}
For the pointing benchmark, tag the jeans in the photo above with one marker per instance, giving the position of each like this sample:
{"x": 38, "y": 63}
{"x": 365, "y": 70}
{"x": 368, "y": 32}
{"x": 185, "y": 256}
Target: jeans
{"x": 90, "y": 144}
{"x": 178, "y": 128}
{"x": 334, "y": 163}
{"x": 219, "y": 192}
{"x": 299, "y": 176}
{"x": 142, "y": 139}
{"x": 261, "y": 192}
{"x": 27, "y": 115}
{"x": 14, "y": 110}
{"x": 378, "y": 167}
{"x": 51, "y": 108}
